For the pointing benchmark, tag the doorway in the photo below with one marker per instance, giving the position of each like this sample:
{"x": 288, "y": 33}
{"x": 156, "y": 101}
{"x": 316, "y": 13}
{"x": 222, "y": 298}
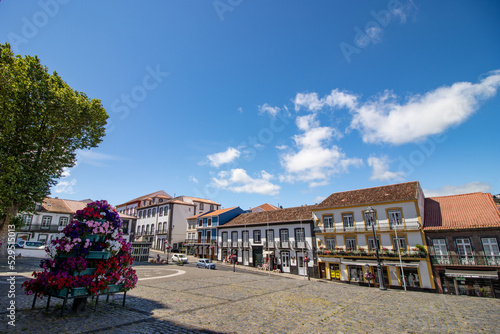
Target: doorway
{"x": 285, "y": 262}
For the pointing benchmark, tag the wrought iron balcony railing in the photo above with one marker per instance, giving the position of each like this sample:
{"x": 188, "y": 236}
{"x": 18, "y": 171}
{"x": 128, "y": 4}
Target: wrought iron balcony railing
{"x": 469, "y": 260}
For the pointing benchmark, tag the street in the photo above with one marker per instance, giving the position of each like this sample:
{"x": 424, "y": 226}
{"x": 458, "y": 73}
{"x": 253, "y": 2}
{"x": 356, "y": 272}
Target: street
{"x": 185, "y": 299}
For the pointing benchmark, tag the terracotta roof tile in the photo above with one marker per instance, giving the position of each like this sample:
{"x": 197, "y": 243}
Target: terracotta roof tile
{"x": 58, "y": 205}
{"x": 368, "y": 196}
{"x": 264, "y": 207}
{"x": 299, "y": 213}
{"x": 461, "y": 211}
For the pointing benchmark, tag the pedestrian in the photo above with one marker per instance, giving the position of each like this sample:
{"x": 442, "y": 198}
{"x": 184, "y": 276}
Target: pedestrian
{"x": 158, "y": 260}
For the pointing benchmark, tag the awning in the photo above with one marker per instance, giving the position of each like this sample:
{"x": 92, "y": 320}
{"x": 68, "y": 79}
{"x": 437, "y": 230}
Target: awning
{"x": 359, "y": 263}
{"x": 398, "y": 264}
{"x": 490, "y": 274}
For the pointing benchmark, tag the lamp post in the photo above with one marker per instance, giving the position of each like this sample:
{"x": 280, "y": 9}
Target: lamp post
{"x": 371, "y": 217}
{"x": 306, "y": 261}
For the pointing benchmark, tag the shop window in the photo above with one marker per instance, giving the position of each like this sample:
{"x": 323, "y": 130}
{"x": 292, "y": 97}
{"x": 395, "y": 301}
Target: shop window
{"x": 355, "y": 273}
{"x": 411, "y": 277}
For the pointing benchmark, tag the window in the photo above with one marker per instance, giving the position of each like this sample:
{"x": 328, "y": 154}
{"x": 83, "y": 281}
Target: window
{"x": 330, "y": 243}
{"x": 441, "y": 251}
{"x": 46, "y": 221}
{"x": 284, "y": 237}
{"x": 395, "y": 217}
{"x": 368, "y": 223}
{"x": 234, "y": 236}
{"x": 200, "y": 222}
{"x": 153, "y": 201}
{"x": 490, "y": 246}
{"x": 440, "y": 248}
{"x": 140, "y": 214}
{"x": 211, "y": 207}
{"x": 152, "y": 229}
{"x": 270, "y": 235}
{"x": 160, "y": 212}
{"x": 372, "y": 246}
{"x": 149, "y": 213}
{"x": 63, "y": 221}
{"x": 245, "y": 236}
{"x": 142, "y": 232}
{"x": 328, "y": 221}
{"x": 465, "y": 251}
{"x": 154, "y": 212}
{"x": 201, "y": 206}
{"x": 147, "y": 229}
{"x": 27, "y": 219}
{"x": 209, "y": 222}
{"x": 165, "y": 227}
{"x": 399, "y": 243}
{"x": 256, "y": 236}
{"x": 348, "y": 219}
{"x": 300, "y": 235}
{"x": 350, "y": 243}
{"x": 224, "y": 239}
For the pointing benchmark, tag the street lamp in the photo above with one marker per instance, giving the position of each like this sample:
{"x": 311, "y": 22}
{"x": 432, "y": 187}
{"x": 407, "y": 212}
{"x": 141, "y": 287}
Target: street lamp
{"x": 370, "y": 214}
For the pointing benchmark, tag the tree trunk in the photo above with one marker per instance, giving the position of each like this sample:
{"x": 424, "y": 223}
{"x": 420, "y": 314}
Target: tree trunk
{"x": 5, "y": 228}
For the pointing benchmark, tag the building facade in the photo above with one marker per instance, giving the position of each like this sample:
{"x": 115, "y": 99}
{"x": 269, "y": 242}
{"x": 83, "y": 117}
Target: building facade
{"x": 50, "y": 218}
{"x": 463, "y": 234}
{"x": 347, "y": 239}
{"x": 204, "y": 243}
{"x": 280, "y": 239}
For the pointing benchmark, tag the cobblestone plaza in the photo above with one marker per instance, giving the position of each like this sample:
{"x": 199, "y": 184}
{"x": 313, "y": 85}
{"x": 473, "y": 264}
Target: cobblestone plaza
{"x": 185, "y": 299}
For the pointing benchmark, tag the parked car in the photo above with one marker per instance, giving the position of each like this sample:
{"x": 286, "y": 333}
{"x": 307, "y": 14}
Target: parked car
{"x": 205, "y": 263}
{"x": 34, "y": 245}
{"x": 19, "y": 244}
{"x": 179, "y": 257}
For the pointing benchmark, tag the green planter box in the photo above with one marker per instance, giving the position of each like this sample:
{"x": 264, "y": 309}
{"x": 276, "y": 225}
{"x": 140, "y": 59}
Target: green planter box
{"x": 88, "y": 271}
{"x": 95, "y": 255}
{"x": 75, "y": 292}
{"x": 114, "y": 288}
{"x": 65, "y": 255}
{"x": 60, "y": 293}
{"x": 95, "y": 238}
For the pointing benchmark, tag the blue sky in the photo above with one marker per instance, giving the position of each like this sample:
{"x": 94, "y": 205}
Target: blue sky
{"x": 285, "y": 102}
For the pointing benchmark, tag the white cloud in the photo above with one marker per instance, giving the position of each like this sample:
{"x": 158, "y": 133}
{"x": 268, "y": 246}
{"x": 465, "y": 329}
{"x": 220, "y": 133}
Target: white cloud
{"x": 385, "y": 120}
{"x": 94, "y": 158}
{"x": 240, "y": 110}
{"x": 65, "y": 186}
{"x": 282, "y": 147}
{"x": 315, "y": 161}
{"x": 465, "y": 188}
{"x": 319, "y": 199}
{"x": 381, "y": 171}
{"x": 237, "y": 180}
{"x": 336, "y": 99}
{"x": 225, "y": 157}
{"x": 266, "y": 108}
{"x": 193, "y": 179}
{"x": 404, "y": 10}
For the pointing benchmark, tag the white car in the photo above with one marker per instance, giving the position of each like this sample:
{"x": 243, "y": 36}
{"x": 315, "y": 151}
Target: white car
{"x": 179, "y": 257}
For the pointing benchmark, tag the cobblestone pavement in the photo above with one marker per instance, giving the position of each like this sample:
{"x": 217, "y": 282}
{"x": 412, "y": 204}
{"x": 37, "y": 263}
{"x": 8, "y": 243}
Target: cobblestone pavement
{"x": 250, "y": 301}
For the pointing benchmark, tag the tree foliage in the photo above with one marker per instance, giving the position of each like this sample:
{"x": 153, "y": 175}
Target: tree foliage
{"x": 43, "y": 122}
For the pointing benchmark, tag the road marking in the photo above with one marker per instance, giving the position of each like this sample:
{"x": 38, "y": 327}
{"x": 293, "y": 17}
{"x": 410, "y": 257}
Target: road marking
{"x": 179, "y": 272}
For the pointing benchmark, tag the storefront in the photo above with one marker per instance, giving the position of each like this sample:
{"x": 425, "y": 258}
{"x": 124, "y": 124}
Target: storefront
{"x": 470, "y": 283}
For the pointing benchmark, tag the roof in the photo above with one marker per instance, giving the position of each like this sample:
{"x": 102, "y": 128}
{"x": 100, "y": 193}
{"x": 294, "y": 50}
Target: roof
{"x": 384, "y": 194}
{"x": 264, "y": 207}
{"x": 473, "y": 210}
{"x": 155, "y": 194}
{"x": 212, "y": 213}
{"x": 300, "y": 213}
{"x": 203, "y": 200}
{"x": 57, "y": 205}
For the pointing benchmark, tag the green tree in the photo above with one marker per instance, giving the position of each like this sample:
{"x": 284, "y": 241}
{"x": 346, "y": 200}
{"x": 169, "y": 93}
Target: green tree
{"x": 43, "y": 121}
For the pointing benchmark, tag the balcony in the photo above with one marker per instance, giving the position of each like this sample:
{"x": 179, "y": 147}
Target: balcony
{"x": 42, "y": 228}
{"x": 269, "y": 244}
{"x": 225, "y": 243}
{"x": 234, "y": 244}
{"x": 285, "y": 244}
{"x": 362, "y": 227}
{"x": 246, "y": 244}
{"x": 299, "y": 245}
{"x": 162, "y": 231}
{"x": 384, "y": 253}
{"x": 470, "y": 260}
